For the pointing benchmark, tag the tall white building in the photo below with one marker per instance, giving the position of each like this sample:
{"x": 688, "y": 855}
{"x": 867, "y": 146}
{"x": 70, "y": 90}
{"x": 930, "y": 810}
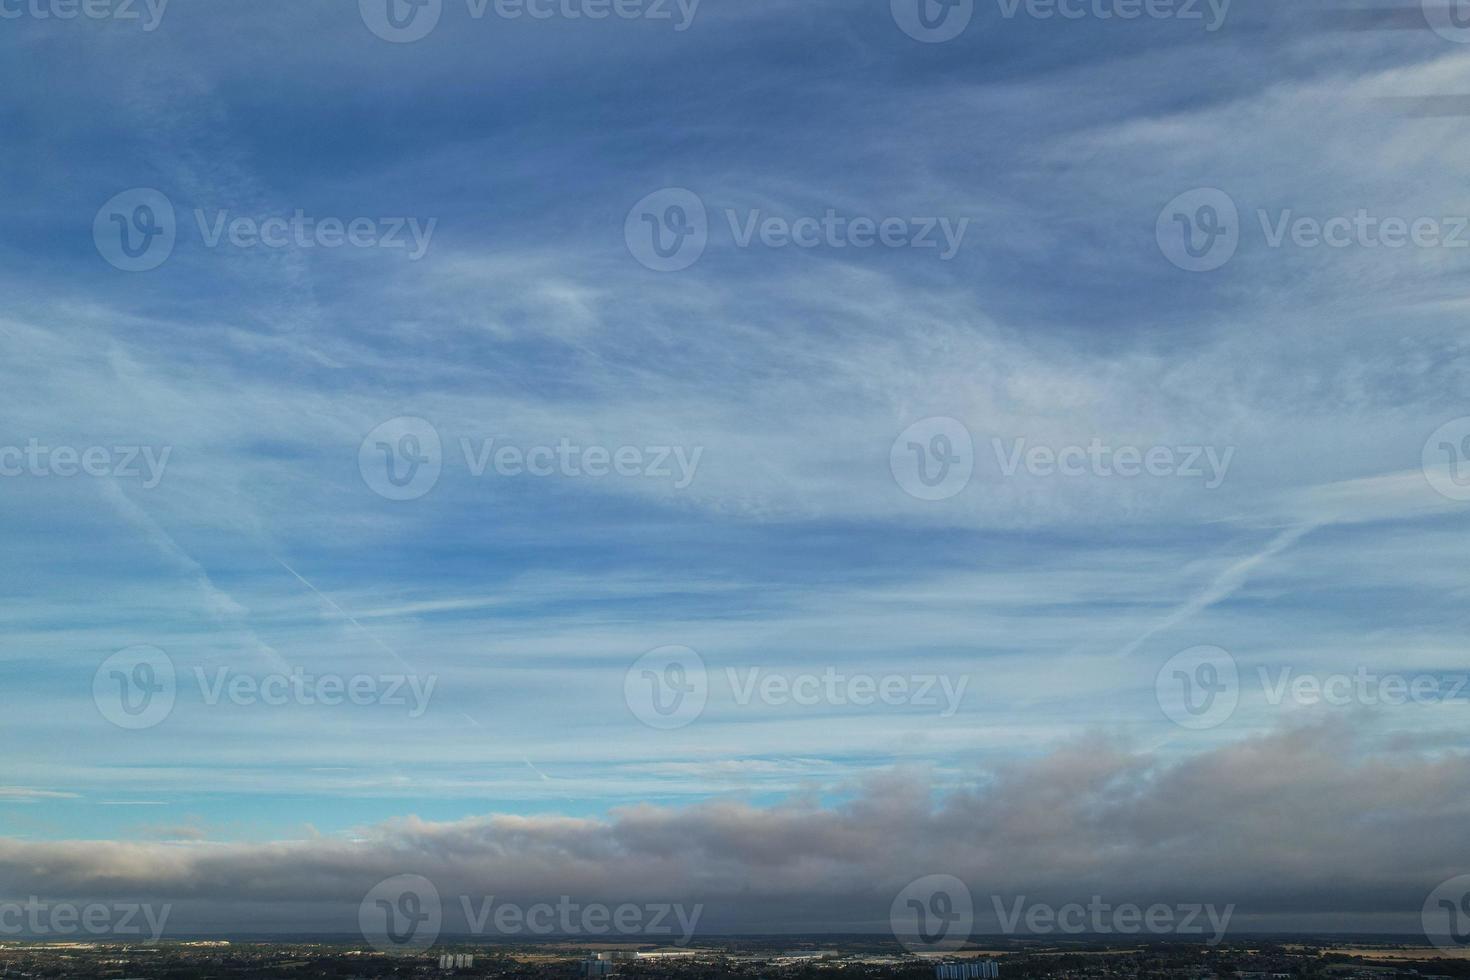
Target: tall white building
{"x": 456, "y": 961}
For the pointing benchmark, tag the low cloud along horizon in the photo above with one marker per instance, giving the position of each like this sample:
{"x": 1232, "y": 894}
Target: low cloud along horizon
{"x": 1295, "y": 830}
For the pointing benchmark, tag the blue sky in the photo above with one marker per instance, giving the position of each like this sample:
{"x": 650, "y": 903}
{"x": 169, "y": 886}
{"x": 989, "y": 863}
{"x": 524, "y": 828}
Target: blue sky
{"x": 793, "y": 548}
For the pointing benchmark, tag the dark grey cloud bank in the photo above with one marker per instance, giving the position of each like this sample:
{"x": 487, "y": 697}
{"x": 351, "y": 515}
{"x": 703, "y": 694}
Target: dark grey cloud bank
{"x": 1318, "y": 828}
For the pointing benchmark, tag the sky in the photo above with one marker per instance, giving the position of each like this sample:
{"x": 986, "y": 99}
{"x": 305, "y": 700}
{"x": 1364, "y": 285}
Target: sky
{"x": 750, "y": 454}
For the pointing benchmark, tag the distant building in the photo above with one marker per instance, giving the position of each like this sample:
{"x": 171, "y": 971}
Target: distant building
{"x": 456, "y": 961}
{"x": 606, "y": 963}
{"x": 972, "y": 970}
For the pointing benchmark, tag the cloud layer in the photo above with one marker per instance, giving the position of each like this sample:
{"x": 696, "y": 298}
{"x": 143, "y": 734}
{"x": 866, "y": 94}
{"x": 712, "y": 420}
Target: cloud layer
{"x": 1298, "y": 829}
